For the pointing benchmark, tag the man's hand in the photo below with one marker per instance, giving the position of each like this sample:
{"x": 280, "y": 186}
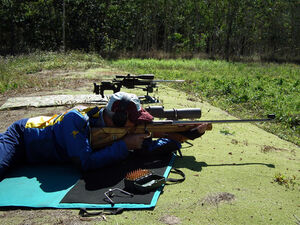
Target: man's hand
{"x": 192, "y": 134}
{"x": 134, "y": 141}
{"x": 203, "y": 127}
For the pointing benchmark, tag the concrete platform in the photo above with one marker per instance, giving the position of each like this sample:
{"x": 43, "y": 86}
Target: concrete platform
{"x": 52, "y": 100}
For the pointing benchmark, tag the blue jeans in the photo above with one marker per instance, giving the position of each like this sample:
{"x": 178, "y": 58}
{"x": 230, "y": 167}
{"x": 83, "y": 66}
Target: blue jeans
{"x": 12, "y": 150}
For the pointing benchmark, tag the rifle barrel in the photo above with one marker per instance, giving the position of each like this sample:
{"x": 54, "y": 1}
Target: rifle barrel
{"x": 167, "y": 80}
{"x": 270, "y": 117}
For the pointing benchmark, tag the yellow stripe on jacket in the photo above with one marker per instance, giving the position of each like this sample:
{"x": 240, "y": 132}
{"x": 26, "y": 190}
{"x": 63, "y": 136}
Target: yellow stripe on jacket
{"x": 45, "y": 121}
{"x": 40, "y": 122}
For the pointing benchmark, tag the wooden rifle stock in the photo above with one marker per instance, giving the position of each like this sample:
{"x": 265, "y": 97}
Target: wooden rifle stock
{"x": 101, "y": 137}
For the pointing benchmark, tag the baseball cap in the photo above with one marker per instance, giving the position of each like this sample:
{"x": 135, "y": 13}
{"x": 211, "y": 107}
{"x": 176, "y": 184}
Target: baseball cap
{"x": 135, "y": 112}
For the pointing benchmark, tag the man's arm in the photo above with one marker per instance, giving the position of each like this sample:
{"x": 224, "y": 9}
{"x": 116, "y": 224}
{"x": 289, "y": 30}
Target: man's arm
{"x": 96, "y": 159}
{"x": 76, "y": 139}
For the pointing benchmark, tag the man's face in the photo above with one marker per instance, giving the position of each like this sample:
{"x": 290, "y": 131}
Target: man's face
{"x": 129, "y": 123}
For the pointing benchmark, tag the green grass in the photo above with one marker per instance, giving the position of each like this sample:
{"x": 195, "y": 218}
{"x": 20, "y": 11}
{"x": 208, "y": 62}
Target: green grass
{"x": 14, "y": 70}
{"x": 259, "y": 169}
{"x": 242, "y": 89}
{"x": 244, "y": 164}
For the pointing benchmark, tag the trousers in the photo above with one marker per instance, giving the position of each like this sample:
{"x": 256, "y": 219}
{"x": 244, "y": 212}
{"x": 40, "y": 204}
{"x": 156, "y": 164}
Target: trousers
{"x": 12, "y": 149}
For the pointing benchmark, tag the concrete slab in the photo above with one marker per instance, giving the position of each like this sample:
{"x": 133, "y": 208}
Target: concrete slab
{"x": 52, "y": 100}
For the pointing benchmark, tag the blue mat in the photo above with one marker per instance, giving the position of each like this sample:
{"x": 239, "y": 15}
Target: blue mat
{"x": 46, "y": 186}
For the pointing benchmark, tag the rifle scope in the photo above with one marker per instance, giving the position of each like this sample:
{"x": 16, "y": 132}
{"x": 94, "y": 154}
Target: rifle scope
{"x": 174, "y": 114}
{"x": 142, "y": 76}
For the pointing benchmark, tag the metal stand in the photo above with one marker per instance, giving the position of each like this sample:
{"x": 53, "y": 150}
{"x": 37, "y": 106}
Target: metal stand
{"x": 109, "y": 194}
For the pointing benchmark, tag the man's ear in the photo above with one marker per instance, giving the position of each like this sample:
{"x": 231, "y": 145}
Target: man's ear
{"x": 120, "y": 118}
{"x": 107, "y": 119}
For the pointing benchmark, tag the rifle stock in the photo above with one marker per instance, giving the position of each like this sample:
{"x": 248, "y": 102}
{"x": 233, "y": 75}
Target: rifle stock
{"x": 101, "y": 137}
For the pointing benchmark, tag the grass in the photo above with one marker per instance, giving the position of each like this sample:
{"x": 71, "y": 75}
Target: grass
{"x": 14, "y": 71}
{"x": 230, "y": 179}
{"x": 235, "y": 174}
{"x": 242, "y": 89}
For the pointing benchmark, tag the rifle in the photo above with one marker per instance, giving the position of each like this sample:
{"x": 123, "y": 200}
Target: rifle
{"x": 101, "y": 137}
{"x": 131, "y": 81}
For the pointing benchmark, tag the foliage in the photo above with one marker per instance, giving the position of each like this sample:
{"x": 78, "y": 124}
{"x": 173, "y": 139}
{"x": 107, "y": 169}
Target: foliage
{"x": 243, "y": 89}
{"x": 288, "y": 182}
{"x": 226, "y": 132}
{"x": 228, "y": 29}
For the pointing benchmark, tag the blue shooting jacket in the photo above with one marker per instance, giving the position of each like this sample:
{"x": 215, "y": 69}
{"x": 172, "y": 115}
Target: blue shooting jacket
{"x": 66, "y": 138}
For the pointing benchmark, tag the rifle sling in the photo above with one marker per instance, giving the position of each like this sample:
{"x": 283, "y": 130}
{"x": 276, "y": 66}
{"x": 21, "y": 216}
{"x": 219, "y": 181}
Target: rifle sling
{"x": 175, "y": 181}
{"x": 84, "y": 213}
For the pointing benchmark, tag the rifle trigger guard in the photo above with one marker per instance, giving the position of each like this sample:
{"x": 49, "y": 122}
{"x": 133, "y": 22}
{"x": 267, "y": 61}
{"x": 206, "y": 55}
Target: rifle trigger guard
{"x": 149, "y": 134}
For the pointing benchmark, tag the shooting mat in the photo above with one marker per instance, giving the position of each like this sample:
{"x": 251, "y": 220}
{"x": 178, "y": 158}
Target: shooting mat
{"x": 58, "y": 186}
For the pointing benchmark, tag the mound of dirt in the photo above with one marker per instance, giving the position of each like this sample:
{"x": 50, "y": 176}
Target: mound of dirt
{"x": 216, "y": 198}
